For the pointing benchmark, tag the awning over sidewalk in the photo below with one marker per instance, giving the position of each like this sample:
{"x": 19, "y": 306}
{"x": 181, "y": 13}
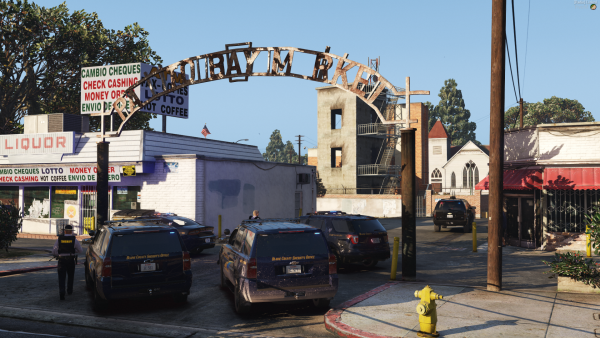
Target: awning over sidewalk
{"x": 520, "y": 179}
{"x": 572, "y": 178}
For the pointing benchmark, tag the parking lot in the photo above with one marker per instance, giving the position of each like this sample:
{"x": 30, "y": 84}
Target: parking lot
{"x": 442, "y": 258}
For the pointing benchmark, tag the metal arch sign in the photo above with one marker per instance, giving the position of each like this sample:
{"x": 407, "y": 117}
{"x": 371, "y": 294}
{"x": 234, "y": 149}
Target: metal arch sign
{"x": 225, "y": 64}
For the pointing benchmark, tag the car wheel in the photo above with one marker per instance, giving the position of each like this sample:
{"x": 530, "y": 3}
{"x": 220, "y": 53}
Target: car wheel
{"x": 180, "y": 299}
{"x": 88, "y": 279}
{"x": 199, "y": 251}
{"x": 99, "y": 303}
{"x": 241, "y": 305}
{"x": 223, "y": 280}
{"x": 370, "y": 263}
{"x": 437, "y": 228}
{"x": 321, "y": 303}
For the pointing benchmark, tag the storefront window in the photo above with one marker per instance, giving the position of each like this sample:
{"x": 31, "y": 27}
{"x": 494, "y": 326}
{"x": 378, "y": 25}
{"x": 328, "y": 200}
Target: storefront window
{"x": 37, "y": 202}
{"x": 59, "y": 196}
{"x": 9, "y": 196}
{"x": 123, "y": 196}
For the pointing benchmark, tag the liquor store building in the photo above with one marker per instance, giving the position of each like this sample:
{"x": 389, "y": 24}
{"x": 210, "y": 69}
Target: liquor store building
{"x": 49, "y": 172}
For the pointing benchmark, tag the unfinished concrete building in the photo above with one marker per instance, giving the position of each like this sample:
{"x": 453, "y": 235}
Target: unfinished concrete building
{"x": 356, "y": 153}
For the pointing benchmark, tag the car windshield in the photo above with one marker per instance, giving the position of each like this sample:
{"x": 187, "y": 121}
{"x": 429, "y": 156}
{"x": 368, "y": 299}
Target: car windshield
{"x": 450, "y": 205}
{"x": 151, "y": 243}
{"x": 367, "y": 225}
{"x": 291, "y": 245}
{"x": 181, "y": 221}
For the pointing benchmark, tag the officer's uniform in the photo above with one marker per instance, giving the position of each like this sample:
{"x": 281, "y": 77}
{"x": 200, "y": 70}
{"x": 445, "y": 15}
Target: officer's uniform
{"x": 66, "y": 249}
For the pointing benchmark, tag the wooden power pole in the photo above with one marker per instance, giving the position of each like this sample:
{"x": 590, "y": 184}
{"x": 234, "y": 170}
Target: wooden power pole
{"x": 299, "y": 145}
{"x": 521, "y": 112}
{"x": 494, "y": 268}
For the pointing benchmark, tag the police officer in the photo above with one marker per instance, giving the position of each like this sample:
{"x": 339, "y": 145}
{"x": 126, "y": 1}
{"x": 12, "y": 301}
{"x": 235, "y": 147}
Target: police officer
{"x": 66, "y": 249}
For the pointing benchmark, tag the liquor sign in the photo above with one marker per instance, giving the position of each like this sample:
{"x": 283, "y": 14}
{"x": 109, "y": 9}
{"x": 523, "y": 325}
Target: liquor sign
{"x": 101, "y": 86}
{"x": 55, "y": 175}
{"x": 50, "y": 143}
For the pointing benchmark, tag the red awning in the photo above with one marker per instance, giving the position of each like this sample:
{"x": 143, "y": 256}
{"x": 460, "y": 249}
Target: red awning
{"x": 520, "y": 179}
{"x": 572, "y": 178}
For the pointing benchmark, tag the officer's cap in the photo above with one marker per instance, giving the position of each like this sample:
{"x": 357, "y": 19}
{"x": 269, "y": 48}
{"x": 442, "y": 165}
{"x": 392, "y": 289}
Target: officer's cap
{"x": 68, "y": 227}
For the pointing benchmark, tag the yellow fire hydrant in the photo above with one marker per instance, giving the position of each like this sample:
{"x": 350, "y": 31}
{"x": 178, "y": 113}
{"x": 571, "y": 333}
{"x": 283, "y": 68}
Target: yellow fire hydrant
{"x": 427, "y": 312}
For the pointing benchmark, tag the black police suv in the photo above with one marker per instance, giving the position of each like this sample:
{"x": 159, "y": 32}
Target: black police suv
{"x": 137, "y": 259}
{"x": 453, "y": 212}
{"x": 271, "y": 260}
{"x": 352, "y": 238}
{"x": 196, "y": 236}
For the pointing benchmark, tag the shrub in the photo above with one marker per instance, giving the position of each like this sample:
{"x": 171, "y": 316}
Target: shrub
{"x": 593, "y": 230}
{"x": 10, "y": 224}
{"x": 574, "y": 265}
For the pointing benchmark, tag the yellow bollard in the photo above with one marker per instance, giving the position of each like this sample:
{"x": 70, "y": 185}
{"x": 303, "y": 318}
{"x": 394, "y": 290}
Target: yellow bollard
{"x": 474, "y": 237}
{"x": 300, "y": 212}
{"x": 395, "y": 258}
{"x": 219, "y": 227}
{"x": 588, "y": 242}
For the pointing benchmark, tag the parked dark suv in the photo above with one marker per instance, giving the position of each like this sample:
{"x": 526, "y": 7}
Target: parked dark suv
{"x": 453, "y": 212}
{"x": 274, "y": 260}
{"x": 352, "y": 238}
{"x": 137, "y": 259}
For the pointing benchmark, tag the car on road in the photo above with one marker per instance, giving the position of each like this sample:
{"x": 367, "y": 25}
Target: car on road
{"x": 275, "y": 260}
{"x": 137, "y": 259}
{"x": 453, "y": 212}
{"x": 197, "y": 237}
{"x": 352, "y": 238}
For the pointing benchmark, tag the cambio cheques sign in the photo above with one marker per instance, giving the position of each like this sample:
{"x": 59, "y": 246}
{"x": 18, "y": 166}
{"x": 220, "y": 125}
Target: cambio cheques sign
{"x": 101, "y": 86}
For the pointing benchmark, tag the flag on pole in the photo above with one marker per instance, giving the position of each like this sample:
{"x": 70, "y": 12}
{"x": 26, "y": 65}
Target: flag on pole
{"x": 205, "y": 131}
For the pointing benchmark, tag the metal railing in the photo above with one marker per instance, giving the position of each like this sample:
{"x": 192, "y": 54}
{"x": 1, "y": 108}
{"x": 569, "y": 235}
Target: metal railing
{"x": 378, "y": 129}
{"x": 378, "y": 170}
{"x": 375, "y": 190}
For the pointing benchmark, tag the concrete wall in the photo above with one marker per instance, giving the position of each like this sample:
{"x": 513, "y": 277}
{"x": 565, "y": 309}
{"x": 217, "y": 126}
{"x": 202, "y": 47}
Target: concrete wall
{"x": 370, "y": 205}
{"x": 234, "y": 189}
{"x": 565, "y": 144}
{"x": 520, "y": 145}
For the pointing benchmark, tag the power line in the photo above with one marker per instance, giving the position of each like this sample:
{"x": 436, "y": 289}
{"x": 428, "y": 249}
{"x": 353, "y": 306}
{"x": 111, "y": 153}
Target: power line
{"x": 516, "y": 54}
{"x": 511, "y": 72}
{"x": 526, "y": 43}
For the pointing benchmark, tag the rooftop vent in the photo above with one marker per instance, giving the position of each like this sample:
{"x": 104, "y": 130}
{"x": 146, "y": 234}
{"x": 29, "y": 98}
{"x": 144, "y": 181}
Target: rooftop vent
{"x": 53, "y": 123}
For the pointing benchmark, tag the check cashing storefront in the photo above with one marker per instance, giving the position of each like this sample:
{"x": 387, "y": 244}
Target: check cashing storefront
{"x": 48, "y": 195}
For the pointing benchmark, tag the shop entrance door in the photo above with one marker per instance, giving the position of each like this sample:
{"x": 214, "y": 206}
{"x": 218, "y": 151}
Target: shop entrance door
{"x": 88, "y": 207}
{"x": 520, "y": 219}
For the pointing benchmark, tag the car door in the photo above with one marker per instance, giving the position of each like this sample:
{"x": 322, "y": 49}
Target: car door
{"x": 227, "y": 256}
{"x": 239, "y": 260}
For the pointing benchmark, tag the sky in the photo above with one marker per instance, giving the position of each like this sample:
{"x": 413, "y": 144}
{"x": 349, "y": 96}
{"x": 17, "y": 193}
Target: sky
{"x": 430, "y": 41}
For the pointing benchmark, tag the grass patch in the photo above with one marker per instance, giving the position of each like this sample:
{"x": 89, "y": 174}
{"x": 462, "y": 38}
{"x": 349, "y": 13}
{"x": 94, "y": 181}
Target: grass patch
{"x": 12, "y": 253}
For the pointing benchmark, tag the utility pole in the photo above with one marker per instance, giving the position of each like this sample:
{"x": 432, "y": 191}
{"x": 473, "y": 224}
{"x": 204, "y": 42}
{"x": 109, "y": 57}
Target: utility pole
{"x": 299, "y": 144}
{"x": 521, "y": 112}
{"x": 102, "y": 179}
{"x": 409, "y": 195}
{"x": 164, "y": 123}
{"x": 494, "y": 268}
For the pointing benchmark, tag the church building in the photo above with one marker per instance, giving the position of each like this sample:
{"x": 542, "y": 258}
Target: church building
{"x": 455, "y": 170}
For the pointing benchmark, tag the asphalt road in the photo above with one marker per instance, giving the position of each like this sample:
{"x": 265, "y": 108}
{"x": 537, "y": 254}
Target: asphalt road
{"x": 29, "y": 302}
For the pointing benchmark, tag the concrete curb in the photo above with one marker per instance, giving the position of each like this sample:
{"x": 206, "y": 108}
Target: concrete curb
{"x": 20, "y": 271}
{"x": 333, "y": 317}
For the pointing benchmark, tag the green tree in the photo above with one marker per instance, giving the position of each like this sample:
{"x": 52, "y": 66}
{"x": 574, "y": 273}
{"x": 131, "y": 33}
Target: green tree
{"x": 275, "y": 148}
{"x": 10, "y": 224}
{"x": 43, "y": 51}
{"x": 452, "y": 113}
{"x": 552, "y": 110}
{"x": 277, "y": 151}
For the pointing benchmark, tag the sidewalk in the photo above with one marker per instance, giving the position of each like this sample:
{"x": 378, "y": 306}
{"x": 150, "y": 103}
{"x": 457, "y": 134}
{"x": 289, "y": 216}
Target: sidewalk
{"x": 390, "y": 311}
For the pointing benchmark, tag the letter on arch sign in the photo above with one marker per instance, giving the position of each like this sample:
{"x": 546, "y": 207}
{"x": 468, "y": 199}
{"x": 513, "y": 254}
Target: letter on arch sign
{"x": 227, "y": 64}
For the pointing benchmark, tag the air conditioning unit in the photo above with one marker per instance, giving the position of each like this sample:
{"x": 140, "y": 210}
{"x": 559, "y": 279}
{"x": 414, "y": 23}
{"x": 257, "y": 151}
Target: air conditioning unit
{"x": 303, "y": 179}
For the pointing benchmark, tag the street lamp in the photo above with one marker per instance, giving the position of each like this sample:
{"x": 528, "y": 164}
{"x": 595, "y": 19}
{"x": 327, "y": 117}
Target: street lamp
{"x": 244, "y": 139}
